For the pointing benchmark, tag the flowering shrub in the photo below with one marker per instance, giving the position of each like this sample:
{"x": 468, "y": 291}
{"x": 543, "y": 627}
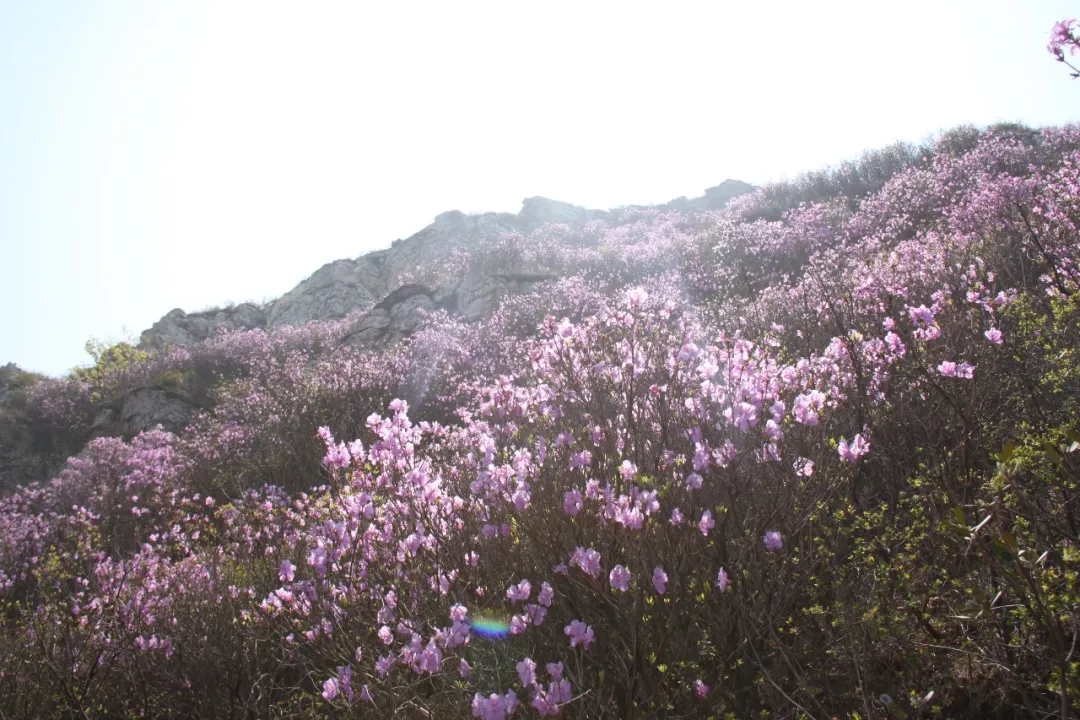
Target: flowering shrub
{"x": 1063, "y": 36}
{"x": 812, "y": 455}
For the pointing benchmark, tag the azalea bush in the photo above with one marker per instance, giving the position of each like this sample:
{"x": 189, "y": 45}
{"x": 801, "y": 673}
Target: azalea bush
{"x": 812, "y": 455}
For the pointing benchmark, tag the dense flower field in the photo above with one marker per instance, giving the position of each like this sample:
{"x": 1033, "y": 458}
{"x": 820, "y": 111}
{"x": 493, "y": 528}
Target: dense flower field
{"x": 812, "y": 455}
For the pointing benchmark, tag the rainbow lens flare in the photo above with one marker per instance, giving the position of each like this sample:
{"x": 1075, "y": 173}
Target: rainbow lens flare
{"x": 491, "y": 628}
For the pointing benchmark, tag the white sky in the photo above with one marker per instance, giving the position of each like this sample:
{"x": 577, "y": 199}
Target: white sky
{"x": 185, "y": 154}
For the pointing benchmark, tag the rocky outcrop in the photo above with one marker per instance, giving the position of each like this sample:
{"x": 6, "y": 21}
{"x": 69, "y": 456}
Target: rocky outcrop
{"x": 714, "y": 198}
{"x": 144, "y": 409}
{"x": 401, "y": 313}
{"x": 385, "y": 282}
{"x": 180, "y": 328}
{"x": 332, "y": 292}
{"x": 398, "y": 315}
{"x": 477, "y": 295}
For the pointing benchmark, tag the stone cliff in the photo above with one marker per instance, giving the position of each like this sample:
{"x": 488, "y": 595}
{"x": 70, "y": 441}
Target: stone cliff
{"x": 382, "y": 283}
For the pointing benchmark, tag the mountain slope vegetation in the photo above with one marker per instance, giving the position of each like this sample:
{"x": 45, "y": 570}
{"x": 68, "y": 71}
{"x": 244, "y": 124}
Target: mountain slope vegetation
{"x": 809, "y": 454}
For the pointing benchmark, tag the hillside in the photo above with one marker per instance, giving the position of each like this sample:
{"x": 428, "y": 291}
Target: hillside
{"x": 806, "y": 450}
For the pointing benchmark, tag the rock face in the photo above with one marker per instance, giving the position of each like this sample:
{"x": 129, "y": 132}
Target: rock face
{"x": 384, "y": 280}
{"x": 714, "y": 198}
{"x": 401, "y": 313}
{"x": 332, "y": 292}
{"x": 180, "y": 328}
{"x": 143, "y": 409}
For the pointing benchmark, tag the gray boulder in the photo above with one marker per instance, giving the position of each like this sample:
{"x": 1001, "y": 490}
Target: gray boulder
{"x": 398, "y": 315}
{"x": 180, "y": 328}
{"x": 143, "y": 409}
{"x": 332, "y": 292}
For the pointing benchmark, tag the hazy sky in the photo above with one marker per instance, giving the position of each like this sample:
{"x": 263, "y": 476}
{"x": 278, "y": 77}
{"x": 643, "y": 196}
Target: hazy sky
{"x": 186, "y": 154}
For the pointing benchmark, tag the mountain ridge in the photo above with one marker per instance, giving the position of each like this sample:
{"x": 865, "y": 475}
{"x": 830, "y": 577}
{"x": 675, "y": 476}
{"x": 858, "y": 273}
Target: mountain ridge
{"x": 347, "y": 285}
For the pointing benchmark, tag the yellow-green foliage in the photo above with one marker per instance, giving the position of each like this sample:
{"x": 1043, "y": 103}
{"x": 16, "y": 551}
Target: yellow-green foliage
{"x": 109, "y": 361}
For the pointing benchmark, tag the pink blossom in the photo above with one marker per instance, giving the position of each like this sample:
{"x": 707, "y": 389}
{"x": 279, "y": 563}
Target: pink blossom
{"x": 572, "y": 502}
{"x": 804, "y": 467}
{"x": 579, "y": 633}
{"x": 994, "y": 336}
{"x": 851, "y": 452}
{"x": 706, "y": 523}
{"x": 546, "y": 594}
{"x": 519, "y": 592}
{"x": 774, "y": 541}
{"x": 659, "y": 580}
{"x": 588, "y": 560}
{"x": 527, "y": 672}
{"x": 620, "y": 578}
{"x": 700, "y": 688}
{"x": 722, "y": 580}
{"x": 494, "y": 707}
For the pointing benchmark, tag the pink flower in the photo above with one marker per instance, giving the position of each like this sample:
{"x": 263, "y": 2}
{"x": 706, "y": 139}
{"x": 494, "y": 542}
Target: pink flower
{"x": 536, "y": 613}
{"x": 807, "y": 406}
{"x": 921, "y": 315}
{"x": 588, "y": 561}
{"x": 774, "y": 541}
{"x": 947, "y": 368}
{"x": 527, "y": 672}
{"x": 627, "y": 470}
{"x": 804, "y": 467}
{"x": 345, "y": 674}
{"x": 722, "y": 580}
{"x": 620, "y": 578}
{"x": 519, "y": 592}
{"x": 579, "y": 633}
{"x": 287, "y": 571}
{"x": 572, "y": 502}
{"x": 706, "y": 523}
{"x": 851, "y": 452}
{"x": 693, "y": 481}
{"x": 636, "y": 297}
{"x": 676, "y": 516}
{"x": 994, "y": 336}
{"x": 659, "y": 580}
{"x": 495, "y": 707}
{"x": 700, "y": 688}
{"x": 330, "y": 689}
{"x": 1061, "y": 35}
{"x": 546, "y": 594}
{"x": 464, "y": 668}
